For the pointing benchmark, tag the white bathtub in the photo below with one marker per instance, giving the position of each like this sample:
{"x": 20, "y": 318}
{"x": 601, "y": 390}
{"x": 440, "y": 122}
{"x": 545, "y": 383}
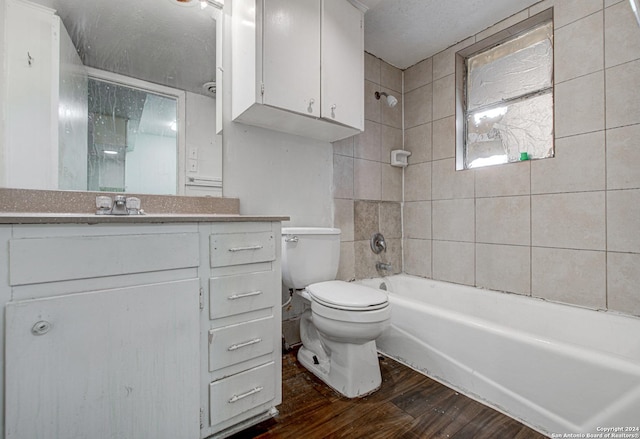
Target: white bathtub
{"x": 556, "y": 368}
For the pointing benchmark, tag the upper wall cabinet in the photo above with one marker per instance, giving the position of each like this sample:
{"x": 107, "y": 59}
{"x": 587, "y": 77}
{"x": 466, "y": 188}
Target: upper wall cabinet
{"x": 298, "y": 67}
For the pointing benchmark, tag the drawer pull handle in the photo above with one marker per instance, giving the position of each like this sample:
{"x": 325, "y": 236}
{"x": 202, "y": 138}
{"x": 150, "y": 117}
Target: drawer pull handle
{"x": 236, "y": 398}
{"x": 235, "y": 347}
{"x": 241, "y": 249}
{"x": 243, "y": 295}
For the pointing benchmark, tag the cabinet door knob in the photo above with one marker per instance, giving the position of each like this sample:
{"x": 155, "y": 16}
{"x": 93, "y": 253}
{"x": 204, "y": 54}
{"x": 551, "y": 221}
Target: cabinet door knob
{"x": 41, "y": 328}
{"x": 311, "y": 102}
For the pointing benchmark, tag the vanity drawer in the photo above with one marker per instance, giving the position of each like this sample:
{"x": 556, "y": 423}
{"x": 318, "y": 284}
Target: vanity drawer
{"x": 237, "y": 343}
{"x": 236, "y": 394}
{"x": 231, "y": 295}
{"x": 242, "y": 248}
{"x": 51, "y": 259}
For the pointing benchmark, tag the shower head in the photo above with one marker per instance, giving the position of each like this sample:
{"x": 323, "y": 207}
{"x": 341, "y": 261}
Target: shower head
{"x": 391, "y": 100}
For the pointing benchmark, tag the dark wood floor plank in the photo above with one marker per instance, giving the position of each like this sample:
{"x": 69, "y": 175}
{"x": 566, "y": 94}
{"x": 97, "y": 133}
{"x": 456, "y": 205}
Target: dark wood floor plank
{"x": 408, "y": 405}
{"x": 490, "y": 424}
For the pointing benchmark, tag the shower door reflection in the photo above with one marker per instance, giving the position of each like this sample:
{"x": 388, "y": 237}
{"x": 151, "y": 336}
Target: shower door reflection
{"x": 132, "y": 141}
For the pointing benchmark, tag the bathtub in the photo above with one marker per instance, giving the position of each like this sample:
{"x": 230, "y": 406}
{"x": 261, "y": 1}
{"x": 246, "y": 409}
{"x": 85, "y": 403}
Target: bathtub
{"x": 555, "y": 368}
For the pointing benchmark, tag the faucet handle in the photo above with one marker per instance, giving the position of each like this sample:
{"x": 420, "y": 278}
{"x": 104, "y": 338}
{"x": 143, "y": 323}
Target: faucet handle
{"x": 133, "y": 205}
{"x": 378, "y": 244}
{"x": 103, "y": 205}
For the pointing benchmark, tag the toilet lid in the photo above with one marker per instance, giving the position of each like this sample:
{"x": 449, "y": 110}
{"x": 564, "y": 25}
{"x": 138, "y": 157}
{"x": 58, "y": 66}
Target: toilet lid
{"x": 347, "y": 295}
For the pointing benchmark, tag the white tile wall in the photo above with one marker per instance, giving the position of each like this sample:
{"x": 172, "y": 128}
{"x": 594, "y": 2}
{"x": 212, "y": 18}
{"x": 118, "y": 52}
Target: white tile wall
{"x": 503, "y": 268}
{"x": 453, "y": 220}
{"x": 621, "y": 35}
{"x": 418, "y": 141}
{"x": 623, "y": 278}
{"x": 564, "y": 229}
{"x": 367, "y": 190}
{"x": 623, "y": 95}
{"x": 623, "y": 221}
{"x": 579, "y": 165}
{"x": 417, "y": 182}
{"x": 569, "y": 276}
{"x": 418, "y": 75}
{"x": 504, "y": 220}
{"x": 417, "y": 219}
{"x": 569, "y": 220}
{"x": 417, "y": 106}
{"x": 444, "y": 138}
{"x": 623, "y": 157}
{"x": 579, "y": 105}
{"x": 447, "y": 183}
{"x": 579, "y": 48}
{"x": 454, "y": 261}
{"x": 504, "y": 180}
{"x": 417, "y": 260}
{"x": 367, "y": 180}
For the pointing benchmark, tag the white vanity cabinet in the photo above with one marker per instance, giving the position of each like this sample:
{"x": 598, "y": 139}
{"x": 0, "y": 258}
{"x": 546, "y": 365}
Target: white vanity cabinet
{"x": 102, "y": 329}
{"x": 298, "y": 67}
{"x": 139, "y": 330}
{"x": 242, "y": 328}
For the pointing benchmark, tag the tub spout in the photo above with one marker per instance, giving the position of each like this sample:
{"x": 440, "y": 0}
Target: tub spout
{"x": 383, "y": 266}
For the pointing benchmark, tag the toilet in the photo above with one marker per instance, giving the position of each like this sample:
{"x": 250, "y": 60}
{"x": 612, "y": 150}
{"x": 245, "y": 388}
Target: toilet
{"x": 339, "y": 327}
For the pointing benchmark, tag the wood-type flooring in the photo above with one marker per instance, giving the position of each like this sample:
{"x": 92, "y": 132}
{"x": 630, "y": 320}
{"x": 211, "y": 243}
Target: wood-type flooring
{"x": 409, "y": 405}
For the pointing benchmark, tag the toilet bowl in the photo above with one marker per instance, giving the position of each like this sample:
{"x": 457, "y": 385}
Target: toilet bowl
{"x": 341, "y": 321}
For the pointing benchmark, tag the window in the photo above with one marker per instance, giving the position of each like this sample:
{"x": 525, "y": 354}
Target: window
{"x": 507, "y": 97}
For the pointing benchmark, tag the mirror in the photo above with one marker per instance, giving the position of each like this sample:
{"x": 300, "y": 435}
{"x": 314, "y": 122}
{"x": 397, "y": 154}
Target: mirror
{"x": 132, "y": 141}
{"x": 137, "y": 59}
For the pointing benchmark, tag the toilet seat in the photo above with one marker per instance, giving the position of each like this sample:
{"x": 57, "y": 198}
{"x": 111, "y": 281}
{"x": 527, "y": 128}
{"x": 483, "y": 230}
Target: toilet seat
{"x": 347, "y": 296}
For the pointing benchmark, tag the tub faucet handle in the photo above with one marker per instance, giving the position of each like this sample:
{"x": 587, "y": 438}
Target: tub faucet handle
{"x": 378, "y": 244}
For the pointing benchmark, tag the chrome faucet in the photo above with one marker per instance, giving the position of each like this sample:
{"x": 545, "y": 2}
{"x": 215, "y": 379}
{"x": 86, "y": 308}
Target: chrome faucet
{"x": 380, "y": 266}
{"x": 121, "y": 205}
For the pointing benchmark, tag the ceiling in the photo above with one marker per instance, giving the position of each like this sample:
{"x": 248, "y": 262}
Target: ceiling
{"x": 160, "y": 41}
{"x": 173, "y": 44}
{"x": 404, "y": 32}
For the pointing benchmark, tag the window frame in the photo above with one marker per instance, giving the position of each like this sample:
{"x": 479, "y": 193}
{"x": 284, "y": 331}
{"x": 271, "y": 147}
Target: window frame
{"x": 461, "y": 72}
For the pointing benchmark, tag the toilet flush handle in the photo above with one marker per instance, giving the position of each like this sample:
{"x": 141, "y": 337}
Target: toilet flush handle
{"x": 291, "y": 239}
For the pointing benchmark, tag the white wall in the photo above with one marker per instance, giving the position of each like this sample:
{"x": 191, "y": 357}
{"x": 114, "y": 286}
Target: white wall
{"x": 2, "y": 94}
{"x": 272, "y": 172}
{"x": 151, "y": 167}
{"x": 281, "y": 174}
{"x": 203, "y": 145}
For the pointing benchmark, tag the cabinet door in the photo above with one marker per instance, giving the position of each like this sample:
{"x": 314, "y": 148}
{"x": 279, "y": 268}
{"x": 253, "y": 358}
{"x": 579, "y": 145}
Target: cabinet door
{"x": 291, "y": 55}
{"x": 342, "y": 63}
{"x": 120, "y": 363}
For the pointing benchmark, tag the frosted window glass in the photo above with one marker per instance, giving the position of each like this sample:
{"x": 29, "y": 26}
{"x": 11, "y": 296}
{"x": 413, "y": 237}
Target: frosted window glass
{"x": 516, "y": 68}
{"x": 501, "y": 134}
{"x": 509, "y": 100}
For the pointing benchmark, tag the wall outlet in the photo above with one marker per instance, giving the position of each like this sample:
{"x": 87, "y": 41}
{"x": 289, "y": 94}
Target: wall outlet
{"x": 192, "y": 165}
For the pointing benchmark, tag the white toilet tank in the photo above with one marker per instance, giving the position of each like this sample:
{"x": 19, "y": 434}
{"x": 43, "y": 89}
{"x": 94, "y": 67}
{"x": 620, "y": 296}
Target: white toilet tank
{"x": 309, "y": 255}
